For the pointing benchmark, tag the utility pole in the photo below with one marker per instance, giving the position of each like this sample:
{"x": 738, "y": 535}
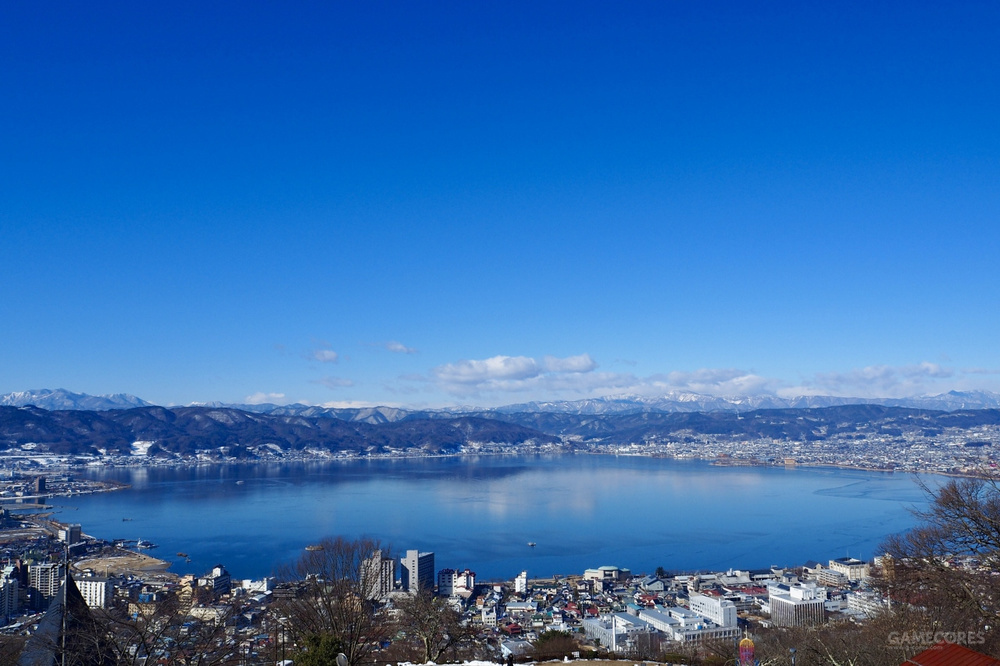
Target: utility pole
{"x": 65, "y": 598}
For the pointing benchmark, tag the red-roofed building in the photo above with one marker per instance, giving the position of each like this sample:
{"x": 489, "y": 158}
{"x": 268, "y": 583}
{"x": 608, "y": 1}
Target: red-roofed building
{"x": 950, "y": 654}
{"x": 512, "y": 629}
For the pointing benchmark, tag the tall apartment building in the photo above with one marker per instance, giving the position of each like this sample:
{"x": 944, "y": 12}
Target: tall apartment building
{"x": 417, "y": 571}
{"x": 521, "y": 583}
{"x": 378, "y": 575}
{"x": 9, "y": 596}
{"x": 97, "y": 592}
{"x": 43, "y": 583}
{"x": 70, "y": 534}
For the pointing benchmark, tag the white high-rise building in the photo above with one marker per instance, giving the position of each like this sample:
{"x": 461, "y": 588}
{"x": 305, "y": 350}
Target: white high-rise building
{"x": 521, "y": 583}
{"x": 97, "y": 592}
{"x": 417, "y": 571}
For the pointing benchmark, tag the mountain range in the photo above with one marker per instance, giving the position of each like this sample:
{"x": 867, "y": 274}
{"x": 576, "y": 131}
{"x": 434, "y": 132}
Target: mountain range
{"x": 673, "y": 401}
{"x": 189, "y": 430}
{"x": 52, "y": 399}
{"x": 249, "y": 431}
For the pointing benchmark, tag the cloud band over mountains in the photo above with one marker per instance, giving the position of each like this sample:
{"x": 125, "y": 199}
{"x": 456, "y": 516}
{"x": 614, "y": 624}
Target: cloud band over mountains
{"x": 578, "y": 376}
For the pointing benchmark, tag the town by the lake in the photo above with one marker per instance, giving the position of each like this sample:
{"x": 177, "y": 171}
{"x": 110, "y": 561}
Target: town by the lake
{"x": 609, "y": 607}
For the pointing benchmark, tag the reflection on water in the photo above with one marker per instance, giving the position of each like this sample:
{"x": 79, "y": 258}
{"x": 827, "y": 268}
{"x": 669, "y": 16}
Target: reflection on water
{"x": 582, "y": 511}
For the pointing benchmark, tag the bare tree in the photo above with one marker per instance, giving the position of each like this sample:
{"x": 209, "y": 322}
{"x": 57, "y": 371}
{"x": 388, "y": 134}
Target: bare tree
{"x": 73, "y": 634}
{"x": 335, "y": 597}
{"x": 433, "y": 624}
{"x": 872, "y": 643}
{"x": 940, "y": 578}
{"x": 946, "y": 566}
{"x": 162, "y": 630}
{"x": 10, "y": 649}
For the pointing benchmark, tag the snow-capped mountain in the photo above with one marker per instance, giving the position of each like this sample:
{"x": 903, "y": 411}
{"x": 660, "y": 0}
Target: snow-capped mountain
{"x": 677, "y": 401}
{"x": 62, "y": 399}
{"x": 673, "y": 401}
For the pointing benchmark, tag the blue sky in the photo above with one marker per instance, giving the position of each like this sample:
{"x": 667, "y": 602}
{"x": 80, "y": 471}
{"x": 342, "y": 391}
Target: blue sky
{"x": 435, "y": 203}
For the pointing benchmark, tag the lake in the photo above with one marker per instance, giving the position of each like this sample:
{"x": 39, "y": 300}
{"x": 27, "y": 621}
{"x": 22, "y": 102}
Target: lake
{"x": 480, "y": 513}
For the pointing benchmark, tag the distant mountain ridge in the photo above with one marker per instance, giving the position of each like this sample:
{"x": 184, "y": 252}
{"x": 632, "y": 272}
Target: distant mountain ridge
{"x": 185, "y": 431}
{"x": 188, "y": 430}
{"x": 670, "y": 402}
{"x": 56, "y": 399}
{"x": 678, "y": 401}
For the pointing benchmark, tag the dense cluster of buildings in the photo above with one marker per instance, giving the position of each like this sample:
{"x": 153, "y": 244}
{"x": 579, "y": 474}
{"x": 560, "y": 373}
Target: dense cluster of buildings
{"x": 617, "y": 611}
{"x": 960, "y": 451}
{"x": 623, "y": 613}
{"x": 607, "y": 607}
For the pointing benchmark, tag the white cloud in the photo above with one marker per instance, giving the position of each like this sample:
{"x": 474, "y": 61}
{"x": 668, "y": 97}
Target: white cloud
{"x": 325, "y": 356}
{"x": 505, "y": 379}
{"x": 520, "y": 374}
{"x": 493, "y": 369}
{"x": 878, "y": 381}
{"x": 334, "y": 382}
{"x": 926, "y": 369}
{"x": 575, "y": 378}
{"x": 717, "y": 382}
{"x": 399, "y": 347}
{"x": 260, "y": 398}
{"x": 581, "y": 363}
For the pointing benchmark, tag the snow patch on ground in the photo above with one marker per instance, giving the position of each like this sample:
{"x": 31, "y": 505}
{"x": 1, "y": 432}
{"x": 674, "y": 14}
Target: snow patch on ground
{"x": 141, "y": 448}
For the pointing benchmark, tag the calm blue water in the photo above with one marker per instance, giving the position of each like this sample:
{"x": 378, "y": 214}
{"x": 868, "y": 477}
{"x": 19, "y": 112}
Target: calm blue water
{"x": 582, "y": 511}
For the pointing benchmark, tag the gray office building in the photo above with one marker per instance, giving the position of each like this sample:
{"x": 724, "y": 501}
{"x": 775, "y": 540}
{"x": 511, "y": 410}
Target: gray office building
{"x": 417, "y": 571}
